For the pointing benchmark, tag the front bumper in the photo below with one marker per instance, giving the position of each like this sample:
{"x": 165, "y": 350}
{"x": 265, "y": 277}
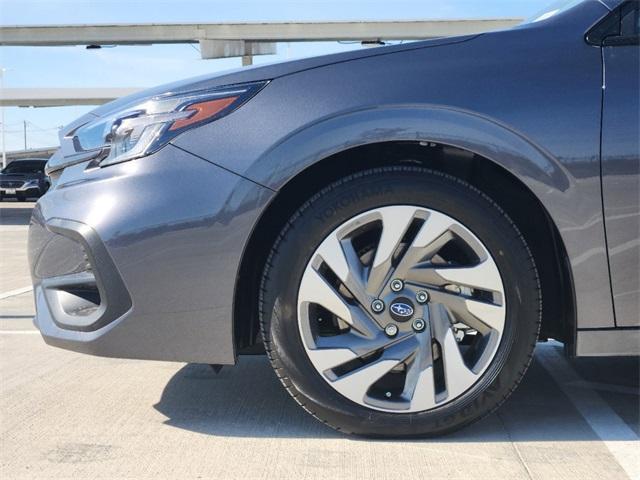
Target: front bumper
{"x": 139, "y": 260}
{"x": 24, "y": 191}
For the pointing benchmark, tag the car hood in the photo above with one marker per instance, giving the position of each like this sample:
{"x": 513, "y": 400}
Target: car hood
{"x": 242, "y": 75}
{"x": 266, "y": 72}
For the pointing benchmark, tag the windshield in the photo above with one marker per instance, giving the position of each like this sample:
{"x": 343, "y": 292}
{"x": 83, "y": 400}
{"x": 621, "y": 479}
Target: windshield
{"x": 552, "y": 10}
{"x": 25, "y": 167}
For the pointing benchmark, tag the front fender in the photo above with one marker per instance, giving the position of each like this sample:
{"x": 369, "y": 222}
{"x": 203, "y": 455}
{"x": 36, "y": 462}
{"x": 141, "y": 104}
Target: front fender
{"x": 566, "y": 198}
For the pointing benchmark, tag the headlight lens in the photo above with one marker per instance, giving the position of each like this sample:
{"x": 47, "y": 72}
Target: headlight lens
{"x": 144, "y": 128}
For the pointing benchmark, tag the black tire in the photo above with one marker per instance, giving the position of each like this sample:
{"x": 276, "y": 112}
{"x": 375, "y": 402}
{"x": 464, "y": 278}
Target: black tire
{"x": 381, "y": 187}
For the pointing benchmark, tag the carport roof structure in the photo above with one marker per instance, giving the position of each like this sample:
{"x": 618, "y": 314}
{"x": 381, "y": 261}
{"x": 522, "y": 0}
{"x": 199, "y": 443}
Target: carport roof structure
{"x": 151, "y": 33}
{"x": 217, "y": 40}
{"x": 57, "y": 97}
{"x": 220, "y": 40}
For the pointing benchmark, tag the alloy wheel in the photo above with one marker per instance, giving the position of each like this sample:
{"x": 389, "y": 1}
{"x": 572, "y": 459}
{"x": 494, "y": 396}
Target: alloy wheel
{"x": 401, "y": 309}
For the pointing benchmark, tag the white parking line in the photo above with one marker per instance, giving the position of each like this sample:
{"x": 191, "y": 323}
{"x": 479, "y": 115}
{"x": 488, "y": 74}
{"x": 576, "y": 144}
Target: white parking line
{"x": 19, "y": 332}
{"x": 17, "y": 291}
{"x": 620, "y": 440}
{"x": 13, "y": 228}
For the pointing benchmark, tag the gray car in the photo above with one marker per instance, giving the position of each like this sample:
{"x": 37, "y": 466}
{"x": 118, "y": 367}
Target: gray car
{"x": 397, "y": 227}
{"x": 23, "y": 178}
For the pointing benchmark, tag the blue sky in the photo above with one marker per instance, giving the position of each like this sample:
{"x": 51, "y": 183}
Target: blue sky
{"x": 145, "y": 66}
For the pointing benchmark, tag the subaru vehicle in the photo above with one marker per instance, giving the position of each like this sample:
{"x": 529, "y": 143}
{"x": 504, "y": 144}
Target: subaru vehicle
{"x": 23, "y": 179}
{"x": 396, "y": 226}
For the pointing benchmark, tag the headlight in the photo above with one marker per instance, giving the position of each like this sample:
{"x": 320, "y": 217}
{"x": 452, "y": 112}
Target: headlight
{"x": 144, "y": 128}
{"x": 30, "y": 183}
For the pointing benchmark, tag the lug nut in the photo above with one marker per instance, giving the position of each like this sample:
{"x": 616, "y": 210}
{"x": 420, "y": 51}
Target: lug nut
{"x": 422, "y": 296}
{"x": 377, "y": 305}
{"x": 397, "y": 285}
{"x": 391, "y": 330}
{"x": 388, "y": 394}
{"x": 419, "y": 324}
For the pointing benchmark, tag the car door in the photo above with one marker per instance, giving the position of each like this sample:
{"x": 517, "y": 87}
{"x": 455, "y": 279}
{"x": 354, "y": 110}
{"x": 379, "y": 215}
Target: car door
{"x": 620, "y": 154}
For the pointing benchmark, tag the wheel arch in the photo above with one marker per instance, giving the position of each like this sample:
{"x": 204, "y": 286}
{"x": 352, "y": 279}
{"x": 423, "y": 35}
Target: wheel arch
{"x": 464, "y": 129}
{"x": 496, "y": 160}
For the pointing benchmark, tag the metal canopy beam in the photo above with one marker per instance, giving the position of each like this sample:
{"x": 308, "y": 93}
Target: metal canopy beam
{"x": 144, "y": 34}
{"x": 234, "y": 48}
{"x": 56, "y": 97}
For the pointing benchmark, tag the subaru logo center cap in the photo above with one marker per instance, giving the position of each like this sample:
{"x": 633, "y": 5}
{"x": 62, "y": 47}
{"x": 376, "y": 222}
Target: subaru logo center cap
{"x": 401, "y": 309}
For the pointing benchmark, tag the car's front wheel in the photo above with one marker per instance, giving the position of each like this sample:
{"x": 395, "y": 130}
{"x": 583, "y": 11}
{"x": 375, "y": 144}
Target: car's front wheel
{"x": 400, "y": 301}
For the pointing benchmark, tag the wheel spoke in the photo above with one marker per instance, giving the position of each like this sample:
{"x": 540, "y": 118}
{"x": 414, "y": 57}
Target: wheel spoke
{"x": 435, "y": 226}
{"x": 463, "y": 372}
{"x": 357, "y": 383}
{"x": 484, "y": 276}
{"x": 334, "y": 351}
{"x": 490, "y": 315}
{"x": 458, "y": 377}
{"x": 327, "y": 358}
{"x": 358, "y": 344}
{"x": 315, "y": 289}
{"x": 333, "y": 255}
{"x": 395, "y": 222}
{"x": 342, "y": 259}
{"x": 431, "y": 237}
{"x": 481, "y": 316}
{"x": 419, "y": 387}
{"x": 424, "y": 395}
